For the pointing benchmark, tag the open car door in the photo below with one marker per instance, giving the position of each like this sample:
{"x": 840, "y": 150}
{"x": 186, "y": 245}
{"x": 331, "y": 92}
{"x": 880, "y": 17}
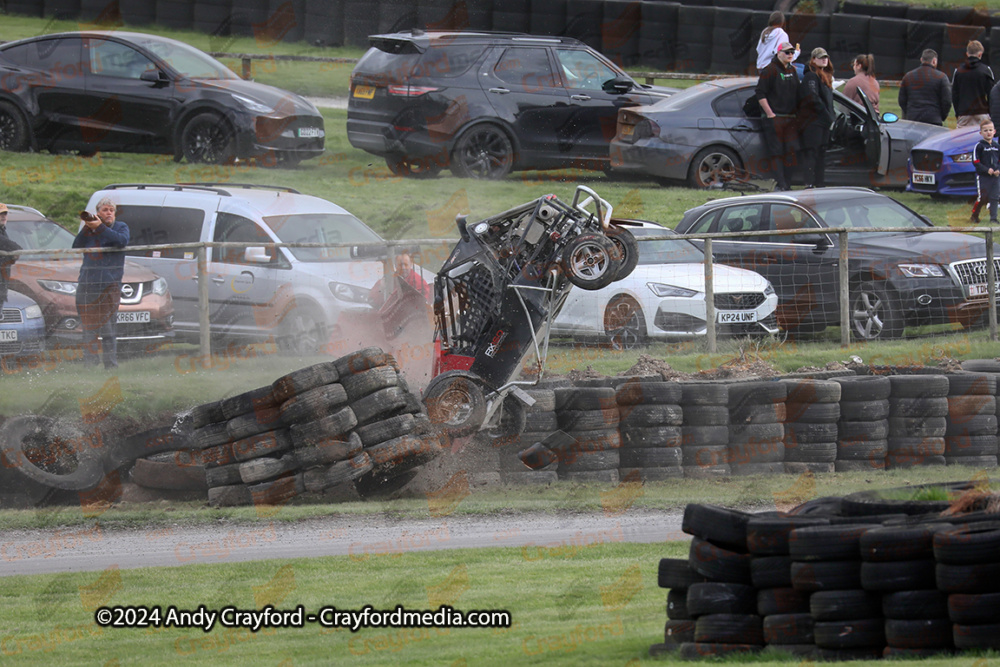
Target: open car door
{"x": 876, "y": 137}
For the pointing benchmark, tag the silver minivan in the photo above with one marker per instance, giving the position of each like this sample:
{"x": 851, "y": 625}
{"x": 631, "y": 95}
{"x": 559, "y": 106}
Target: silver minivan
{"x": 302, "y": 297}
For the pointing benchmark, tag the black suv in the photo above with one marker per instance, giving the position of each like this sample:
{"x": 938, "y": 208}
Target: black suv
{"x": 486, "y": 103}
{"x": 898, "y": 278}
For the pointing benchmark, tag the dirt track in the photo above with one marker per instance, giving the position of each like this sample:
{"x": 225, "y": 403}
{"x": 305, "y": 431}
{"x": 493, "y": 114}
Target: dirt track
{"x": 360, "y": 537}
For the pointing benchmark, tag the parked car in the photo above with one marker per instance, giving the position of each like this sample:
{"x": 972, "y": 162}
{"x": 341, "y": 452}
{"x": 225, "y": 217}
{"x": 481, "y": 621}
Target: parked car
{"x": 941, "y": 165}
{"x": 302, "y": 298}
{"x": 702, "y": 136}
{"x": 146, "y": 313}
{"x": 897, "y": 278}
{"x": 486, "y": 103}
{"x": 664, "y": 297}
{"x": 22, "y": 328}
{"x": 129, "y": 91}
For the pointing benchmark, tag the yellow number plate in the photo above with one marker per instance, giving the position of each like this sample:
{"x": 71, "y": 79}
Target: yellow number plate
{"x": 364, "y": 92}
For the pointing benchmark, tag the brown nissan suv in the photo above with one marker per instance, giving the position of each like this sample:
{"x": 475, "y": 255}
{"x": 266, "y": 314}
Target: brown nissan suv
{"x": 147, "y": 311}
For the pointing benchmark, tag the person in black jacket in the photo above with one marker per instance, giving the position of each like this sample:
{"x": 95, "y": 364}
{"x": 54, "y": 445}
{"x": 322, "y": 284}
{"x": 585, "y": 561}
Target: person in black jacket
{"x": 970, "y": 87}
{"x": 925, "y": 92}
{"x": 778, "y": 95}
{"x": 816, "y": 114}
{"x": 986, "y": 160}
{"x": 6, "y": 245}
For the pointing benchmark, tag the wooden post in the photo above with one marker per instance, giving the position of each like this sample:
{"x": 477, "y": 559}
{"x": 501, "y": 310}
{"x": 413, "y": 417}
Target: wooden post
{"x": 709, "y": 300}
{"x": 204, "y": 323}
{"x": 247, "y": 68}
{"x": 845, "y": 294}
{"x": 991, "y": 284}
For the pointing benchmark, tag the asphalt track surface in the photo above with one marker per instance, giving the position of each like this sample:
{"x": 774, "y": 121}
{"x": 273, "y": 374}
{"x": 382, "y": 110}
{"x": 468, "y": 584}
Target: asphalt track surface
{"x": 93, "y": 547}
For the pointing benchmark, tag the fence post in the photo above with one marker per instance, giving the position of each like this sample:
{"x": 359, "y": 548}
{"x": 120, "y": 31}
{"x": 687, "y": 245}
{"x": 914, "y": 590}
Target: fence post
{"x": 709, "y": 300}
{"x": 845, "y": 294}
{"x": 247, "y": 68}
{"x": 991, "y": 284}
{"x": 204, "y": 324}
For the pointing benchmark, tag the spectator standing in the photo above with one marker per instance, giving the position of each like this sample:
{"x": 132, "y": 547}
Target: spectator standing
{"x": 970, "y": 87}
{"x": 6, "y": 245}
{"x": 986, "y": 159}
{"x": 99, "y": 290}
{"x": 816, "y": 114}
{"x": 770, "y": 38}
{"x": 777, "y": 93}
{"x": 863, "y": 79}
{"x": 925, "y": 92}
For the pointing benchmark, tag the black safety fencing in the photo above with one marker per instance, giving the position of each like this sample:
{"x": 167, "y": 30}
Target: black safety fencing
{"x": 692, "y": 37}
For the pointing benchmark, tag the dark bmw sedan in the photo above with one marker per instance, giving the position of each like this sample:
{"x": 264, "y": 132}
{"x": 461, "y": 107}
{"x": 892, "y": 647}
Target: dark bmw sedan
{"x": 703, "y": 136}
{"x": 132, "y": 92}
{"x": 898, "y": 278}
{"x": 484, "y": 104}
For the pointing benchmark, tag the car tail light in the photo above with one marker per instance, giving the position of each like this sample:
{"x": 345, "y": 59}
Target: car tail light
{"x": 411, "y": 91}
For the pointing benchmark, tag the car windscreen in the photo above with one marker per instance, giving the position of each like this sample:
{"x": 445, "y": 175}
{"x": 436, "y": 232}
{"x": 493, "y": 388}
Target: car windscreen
{"x": 321, "y": 228}
{"x": 187, "y": 60}
{"x": 40, "y": 235}
{"x": 868, "y": 213}
{"x": 665, "y": 251}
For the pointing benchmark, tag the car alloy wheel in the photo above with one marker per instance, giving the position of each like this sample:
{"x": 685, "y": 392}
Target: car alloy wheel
{"x": 712, "y": 167}
{"x": 13, "y": 129}
{"x": 874, "y": 313}
{"x": 208, "y": 138}
{"x": 623, "y": 324}
{"x": 484, "y": 152}
{"x": 301, "y": 334}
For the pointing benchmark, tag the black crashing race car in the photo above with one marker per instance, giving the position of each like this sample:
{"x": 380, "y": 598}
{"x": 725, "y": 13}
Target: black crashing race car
{"x": 495, "y": 296}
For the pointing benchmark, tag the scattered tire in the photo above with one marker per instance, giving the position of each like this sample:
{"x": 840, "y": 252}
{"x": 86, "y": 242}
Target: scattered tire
{"x": 50, "y": 452}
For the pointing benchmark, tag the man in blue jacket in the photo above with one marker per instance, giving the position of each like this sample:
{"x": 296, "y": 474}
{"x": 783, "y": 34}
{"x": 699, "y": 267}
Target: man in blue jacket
{"x": 100, "y": 288}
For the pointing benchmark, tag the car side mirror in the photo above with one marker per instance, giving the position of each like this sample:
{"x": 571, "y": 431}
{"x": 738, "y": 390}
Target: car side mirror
{"x": 368, "y": 252}
{"x": 153, "y": 76}
{"x": 256, "y": 254}
{"x": 889, "y": 117}
{"x": 818, "y": 240}
{"x": 617, "y": 86}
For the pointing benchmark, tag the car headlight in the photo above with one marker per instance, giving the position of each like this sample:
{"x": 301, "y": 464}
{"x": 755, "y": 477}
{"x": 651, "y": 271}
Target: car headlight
{"x": 58, "y": 286}
{"x": 769, "y": 290}
{"x": 160, "y": 286}
{"x": 253, "y": 105}
{"x": 351, "y": 293}
{"x": 962, "y": 157}
{"x": 661, "y": 290}
{"x": 921, "y": 270}
{"x": 32, "y": 312}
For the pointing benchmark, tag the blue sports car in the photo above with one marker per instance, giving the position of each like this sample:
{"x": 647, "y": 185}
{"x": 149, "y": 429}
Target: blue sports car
{"x": 22, "y": 328}
{"x": 941, "y": 165}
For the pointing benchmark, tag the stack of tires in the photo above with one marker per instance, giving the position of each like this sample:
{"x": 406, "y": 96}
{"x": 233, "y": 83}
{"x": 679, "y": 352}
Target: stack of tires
{"x": 676, "y": 575}
{"x": 727, "y": 621}
{"x": 968, "y": 571}
{"x": 787, "y": 623}
{"x": 163, "y": 459}
{"x": 756, "y": 427}
{"x": 971, "y": 433}
{"x": 589, "y": 414}
{"x": 321, "y": 427}
{"x": 863, "y": 428}
{"x": 705, "y": 429}
{"x": 826, "y": 563}
{"x": 812, "y": 410}
{"x": 651, "y": 420}
{"x": 540, "y": 422}
{"x": 918, "y": 411}
{"x": 898, "y": 564}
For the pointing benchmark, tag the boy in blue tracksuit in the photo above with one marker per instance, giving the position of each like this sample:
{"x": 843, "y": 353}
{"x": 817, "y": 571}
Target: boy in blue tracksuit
{"x": 986, "y": 159}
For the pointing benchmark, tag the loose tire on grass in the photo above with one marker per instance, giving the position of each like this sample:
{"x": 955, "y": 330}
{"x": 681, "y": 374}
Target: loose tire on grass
{"x": 50, "y": 452}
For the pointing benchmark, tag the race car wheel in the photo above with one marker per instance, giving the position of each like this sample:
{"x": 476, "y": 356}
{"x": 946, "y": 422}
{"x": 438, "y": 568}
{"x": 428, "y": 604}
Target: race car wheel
{"x": 456, "y": 403}
{"x": 627, "y": 250}
{"x": 624, "y": 323}
{"x": 589, "y": 261}
{"x": 510, "y": 419}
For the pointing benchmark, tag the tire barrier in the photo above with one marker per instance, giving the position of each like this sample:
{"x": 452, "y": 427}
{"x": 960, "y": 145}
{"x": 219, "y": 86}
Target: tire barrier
{"x": 812, "y": 410}
{"x": 916, "y": 586}
{"x": 890, "y": 47}
{"x": 848, "y": 37}
{"x": 359, "y": 22}
{"x": 512, "y": 15}
{"x": 658, "y": 41}
{"x": 734, "y": 42}
{"x": 547, "y": 18}
{"x": 250, "y": 13}
{"x": 135, "y": 12}
{"x": 177, "y": 14}
{"x": 620, "y": 31}
{"x": 584, "y": 20}
{"x": 697, "y": 25}
{"x": 955, "y": 39}
{"x": 756, "y": 427}
{"x": 651, "y": 418}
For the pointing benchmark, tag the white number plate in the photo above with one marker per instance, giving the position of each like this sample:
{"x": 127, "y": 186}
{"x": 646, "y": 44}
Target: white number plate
{"x": 980, "y": 290}
{"x": 737, "y": 317}
{"x": 8, "y": 335}
{"x": 310, "y": 132}
{"x": 924, "y": 179}
{"x": 133, "y": 317}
